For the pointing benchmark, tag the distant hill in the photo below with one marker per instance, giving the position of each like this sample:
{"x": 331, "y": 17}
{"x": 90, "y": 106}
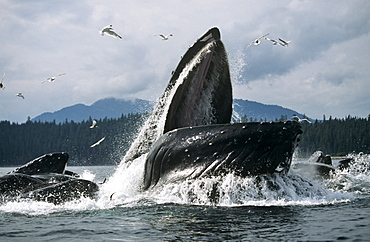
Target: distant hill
{"x": 114, "y": 108}
{"x": 107, "y": 107}
{"x": 259, "y": 111}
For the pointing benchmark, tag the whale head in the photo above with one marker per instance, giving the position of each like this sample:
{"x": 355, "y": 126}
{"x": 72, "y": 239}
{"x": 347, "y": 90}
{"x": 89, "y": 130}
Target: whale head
{"x": 198, "y": 93}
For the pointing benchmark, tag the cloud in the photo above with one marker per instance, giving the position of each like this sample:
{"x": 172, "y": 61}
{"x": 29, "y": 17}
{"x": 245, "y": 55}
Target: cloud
{"x": 335, "y": 81}
{"x": 328, "y": 52}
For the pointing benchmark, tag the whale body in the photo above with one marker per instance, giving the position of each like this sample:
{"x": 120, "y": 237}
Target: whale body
{"x": 46, "y": 179}
{"x": 189, "y": 134}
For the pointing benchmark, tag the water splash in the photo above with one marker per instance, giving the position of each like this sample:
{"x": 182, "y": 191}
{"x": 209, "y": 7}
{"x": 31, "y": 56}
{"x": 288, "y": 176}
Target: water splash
{"x": 354, "y": 179}
{"x": 278, "y": 190}
{"x": 124, "y": 189}
{"x": 237, "y": 65}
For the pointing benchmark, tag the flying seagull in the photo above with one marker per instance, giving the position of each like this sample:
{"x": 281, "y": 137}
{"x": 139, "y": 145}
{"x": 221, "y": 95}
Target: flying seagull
{"x": 94, "y": 124}
{"x": 98, "y": 143}
{"x": 1, "y": 83}
{"x": 109, "y": 31}
{"x": 274, "y": 42}
{"x": 296, "y": 118}
{"x": 256, "y": 41}
{"x": 164, "y": 37}
{"x": 19, "y": 95}
{"x": 284, "y": 43}
{"x": 51, "y": 79}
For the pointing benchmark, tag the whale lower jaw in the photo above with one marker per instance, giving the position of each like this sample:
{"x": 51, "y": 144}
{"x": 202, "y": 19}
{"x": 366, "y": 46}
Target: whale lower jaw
{"x": 244, "y": 149}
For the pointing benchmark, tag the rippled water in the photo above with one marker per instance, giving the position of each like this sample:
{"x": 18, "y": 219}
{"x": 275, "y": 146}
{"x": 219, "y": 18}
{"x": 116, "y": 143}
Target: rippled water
{"x": 280, "y": 208}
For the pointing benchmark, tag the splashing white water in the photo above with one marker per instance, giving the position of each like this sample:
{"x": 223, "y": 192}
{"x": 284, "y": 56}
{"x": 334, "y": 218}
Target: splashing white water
{"x": 124, "y": 189}
{"x": 237, "y": 64}
{"x": 355, "y": 178}
{"x": 87, "y": 175}
{"x": 254, "y": 191}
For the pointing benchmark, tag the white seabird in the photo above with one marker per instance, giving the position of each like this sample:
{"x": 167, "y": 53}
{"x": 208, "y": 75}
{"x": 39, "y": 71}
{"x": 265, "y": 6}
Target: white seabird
{"x": 284, "y": 43}
{"x": 94, "y": 124}
{"x": 296, "y": 118}
{"x": 51, "y": 79}
{"x": 109, "y": 31}
{"x": 256, "y": 41}
{"x": 163, "y": 37}
{"x": 1, "y": 83}
{"x": 19, "y": 95}
{"x": 274, "y": 42}
{"x": 98, "y": 143}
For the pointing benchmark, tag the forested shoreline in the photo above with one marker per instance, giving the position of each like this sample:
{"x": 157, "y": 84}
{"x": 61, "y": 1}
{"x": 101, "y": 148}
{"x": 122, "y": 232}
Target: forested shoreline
{"x": 20, "y": 143}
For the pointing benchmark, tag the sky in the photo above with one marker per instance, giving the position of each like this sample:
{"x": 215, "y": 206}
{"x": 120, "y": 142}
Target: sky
{"x": 325, "y": 69}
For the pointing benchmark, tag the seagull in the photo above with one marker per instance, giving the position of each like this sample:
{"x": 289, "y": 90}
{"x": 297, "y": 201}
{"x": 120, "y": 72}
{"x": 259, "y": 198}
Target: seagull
{"x": 284, "y": 43}
{"x": 94, "y": 124}
{"x": 164, "y": 37}
{"x": 19, "y": 95}
{"x": 1, "y": 83}
{"x": 257, "y": 41}
{"x": 296, "y": 118}
{"x": 274, "y": 42}
{"x": 98, "y": 143}
{"x": 51, "y": 79}
{"x": 109, "y": 31}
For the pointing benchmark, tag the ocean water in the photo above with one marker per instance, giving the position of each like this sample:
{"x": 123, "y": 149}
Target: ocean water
{"x": 294, "y": 207}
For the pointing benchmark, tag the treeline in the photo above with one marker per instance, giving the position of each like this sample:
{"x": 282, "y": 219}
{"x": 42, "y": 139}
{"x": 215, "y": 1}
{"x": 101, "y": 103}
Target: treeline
{"x": 333, "y": 136}
{"x": 337, "y": 137}
{"x": 20, "y": 143}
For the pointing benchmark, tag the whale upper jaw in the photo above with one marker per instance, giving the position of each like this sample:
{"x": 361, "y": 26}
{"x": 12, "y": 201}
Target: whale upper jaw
{"x": 203, "y": 87}
{"x": 198, "y": 93}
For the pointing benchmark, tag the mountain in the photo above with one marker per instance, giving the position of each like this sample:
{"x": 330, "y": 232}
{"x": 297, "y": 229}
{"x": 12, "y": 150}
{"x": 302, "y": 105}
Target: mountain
{"x": 108, "y": 107}
{"x": 261, "y": 112}
{"x": 114, "y": 108}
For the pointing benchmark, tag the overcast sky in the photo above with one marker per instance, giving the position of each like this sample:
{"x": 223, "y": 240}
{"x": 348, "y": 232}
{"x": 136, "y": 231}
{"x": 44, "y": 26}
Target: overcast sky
{"x": 325, "y": 69}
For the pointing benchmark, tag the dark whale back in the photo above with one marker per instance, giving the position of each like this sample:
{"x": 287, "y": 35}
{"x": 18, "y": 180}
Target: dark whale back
{"x": 49, "y": 163}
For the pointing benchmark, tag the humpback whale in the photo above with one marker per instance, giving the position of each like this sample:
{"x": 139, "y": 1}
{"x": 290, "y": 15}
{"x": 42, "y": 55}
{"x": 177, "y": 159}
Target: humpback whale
{"x": 321, "y": 166}
{"x": 198, "y": 93}
{"x": 46, "y": 179}
{"x": 190, "y": 135}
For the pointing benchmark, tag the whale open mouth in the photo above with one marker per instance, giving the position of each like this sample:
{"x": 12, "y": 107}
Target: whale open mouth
{"x": 192, "y": 121}
{"x": 203, "y": 93}
{"x": 199, "y": 93}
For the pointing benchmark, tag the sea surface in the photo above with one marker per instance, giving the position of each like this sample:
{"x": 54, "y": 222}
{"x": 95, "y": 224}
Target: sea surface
{"x": 299, "y": 206}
